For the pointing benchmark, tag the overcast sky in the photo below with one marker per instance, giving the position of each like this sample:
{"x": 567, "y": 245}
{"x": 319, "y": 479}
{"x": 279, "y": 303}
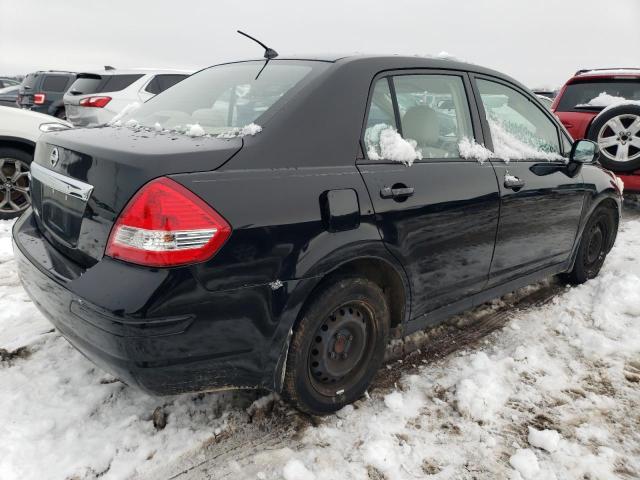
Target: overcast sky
{"x": 540, "y": 42}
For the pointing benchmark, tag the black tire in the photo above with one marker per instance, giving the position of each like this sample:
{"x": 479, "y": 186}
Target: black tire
{"x": 7, "y": 156}
{"x": 337, "y": 347}
{"x": 597, "y": 239}
{"x": 598, "y": 129}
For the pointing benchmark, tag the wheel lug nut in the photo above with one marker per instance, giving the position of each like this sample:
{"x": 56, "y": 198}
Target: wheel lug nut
{"x": 332, "y": 355}
{"x": 344, "y": 356}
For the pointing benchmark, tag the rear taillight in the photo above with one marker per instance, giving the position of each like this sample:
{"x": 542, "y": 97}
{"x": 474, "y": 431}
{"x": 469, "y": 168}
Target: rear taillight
{"x": 165, "y": 225}
{"x": 39, "y": 98}
{"x": 97, "y": 102}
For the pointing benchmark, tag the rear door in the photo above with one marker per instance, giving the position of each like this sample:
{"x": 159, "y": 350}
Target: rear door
{"x": 438, "y": 216}
{"x": 541, "y": 199}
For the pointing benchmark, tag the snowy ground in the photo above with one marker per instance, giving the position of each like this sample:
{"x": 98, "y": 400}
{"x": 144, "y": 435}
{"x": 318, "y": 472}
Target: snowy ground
{"x": 553, "y": 394}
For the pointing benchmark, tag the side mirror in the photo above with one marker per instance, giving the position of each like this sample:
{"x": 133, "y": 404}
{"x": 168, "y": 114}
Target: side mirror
{"x": 583, "y": 151}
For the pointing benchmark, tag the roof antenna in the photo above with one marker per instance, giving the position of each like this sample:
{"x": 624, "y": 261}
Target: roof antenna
{"x": 269, "y": 53}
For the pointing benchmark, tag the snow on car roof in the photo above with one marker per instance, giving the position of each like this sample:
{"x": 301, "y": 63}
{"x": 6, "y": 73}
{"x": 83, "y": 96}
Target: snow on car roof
{"x": 609, "y": 71}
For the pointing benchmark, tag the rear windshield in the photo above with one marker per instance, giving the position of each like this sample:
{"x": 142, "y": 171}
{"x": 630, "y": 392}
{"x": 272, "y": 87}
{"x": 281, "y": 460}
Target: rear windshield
{"x": 220, "y": 100}
{"x": 583, "y": 92}
{"x": 90, "y": 83}
{"x": 55, "y": 83}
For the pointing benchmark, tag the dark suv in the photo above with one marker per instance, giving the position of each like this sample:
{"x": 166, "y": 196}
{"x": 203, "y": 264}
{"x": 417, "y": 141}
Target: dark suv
{"x": 273, "y": 224}
{"x": 42, "y": 91}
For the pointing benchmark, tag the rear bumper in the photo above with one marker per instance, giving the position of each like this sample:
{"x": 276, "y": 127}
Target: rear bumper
{"x": 157, "y": 329}
{"x": 87, "y": 116}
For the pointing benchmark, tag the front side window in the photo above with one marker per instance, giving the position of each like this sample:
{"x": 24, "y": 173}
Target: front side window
{"x": 519, "y": 128}
{"x": 434, "y": 117}
{"x": 221, "y": 99}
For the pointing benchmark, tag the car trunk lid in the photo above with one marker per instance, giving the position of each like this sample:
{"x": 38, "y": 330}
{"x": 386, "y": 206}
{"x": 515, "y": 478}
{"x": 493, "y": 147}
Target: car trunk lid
{"x": 82, "y": 179}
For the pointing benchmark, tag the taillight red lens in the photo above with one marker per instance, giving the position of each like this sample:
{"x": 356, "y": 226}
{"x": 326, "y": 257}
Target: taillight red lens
{"x": 39, "y": 98}
{"x": 97, "y": 102}
{"x": 165, "y": 225}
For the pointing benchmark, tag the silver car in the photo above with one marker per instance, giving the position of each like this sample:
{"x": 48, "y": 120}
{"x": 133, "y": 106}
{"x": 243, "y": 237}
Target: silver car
{"x": 96, "y": 97}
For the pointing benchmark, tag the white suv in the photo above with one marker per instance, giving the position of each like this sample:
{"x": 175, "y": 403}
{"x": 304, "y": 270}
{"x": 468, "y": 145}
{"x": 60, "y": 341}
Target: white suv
{"x": 96, "y": 97}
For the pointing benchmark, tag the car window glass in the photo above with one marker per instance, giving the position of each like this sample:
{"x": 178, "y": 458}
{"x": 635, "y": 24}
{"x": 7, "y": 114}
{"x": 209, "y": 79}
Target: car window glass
{"x": 380, "y": 116}
{"x": 118, "y": 82}
{"x": 434, "y": 113}
{"x": 579, "y": 94}
{"x": 153, "y": 86}
{"x": 86, "y": 84}
{"x": 519, "y": 128}
{"x": 166, "y": 81}
{"x": 55, "y": 83}
{"x": 223, "y": 99}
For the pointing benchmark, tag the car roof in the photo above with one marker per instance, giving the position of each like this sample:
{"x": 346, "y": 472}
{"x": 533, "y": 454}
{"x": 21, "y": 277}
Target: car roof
{"x": 391, "y": 62}
{"x": 42, "y": 72}
{"x": 136, "y": 71}
{"x": 606, "y": 73}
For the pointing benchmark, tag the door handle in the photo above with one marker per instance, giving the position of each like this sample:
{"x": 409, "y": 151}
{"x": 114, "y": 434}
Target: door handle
{"x": 396, "y": 192}
{"x": 513, "y": 183}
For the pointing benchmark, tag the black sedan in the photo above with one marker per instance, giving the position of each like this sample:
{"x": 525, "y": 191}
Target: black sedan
{"x": 272, "y": 224}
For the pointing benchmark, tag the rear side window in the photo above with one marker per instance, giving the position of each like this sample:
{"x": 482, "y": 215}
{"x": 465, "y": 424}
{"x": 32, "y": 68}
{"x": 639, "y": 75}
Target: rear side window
{"x": 55, "y": 83}
{"x": 118, "y": 82}
{"x": 580, "y": 94}
{"x": 434, "y": 117}
{"x": 519, "y": 128}
{"x": 161, "y": 82}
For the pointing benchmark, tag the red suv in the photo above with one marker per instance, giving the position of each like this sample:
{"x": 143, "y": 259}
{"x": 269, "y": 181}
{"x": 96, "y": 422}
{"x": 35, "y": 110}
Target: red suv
{"x": 604, "y": 106}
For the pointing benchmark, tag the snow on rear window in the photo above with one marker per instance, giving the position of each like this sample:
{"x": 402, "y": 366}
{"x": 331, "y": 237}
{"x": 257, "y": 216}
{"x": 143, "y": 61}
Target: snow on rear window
{"x": 222, "y": 101}
{"x": 385, "y": 143}
{"x": 609, "y": 101}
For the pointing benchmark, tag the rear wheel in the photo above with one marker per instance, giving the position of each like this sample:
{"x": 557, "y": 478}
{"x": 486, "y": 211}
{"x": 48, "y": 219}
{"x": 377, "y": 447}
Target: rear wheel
{"x": 61, "y": 113}
{"x": 15, "y": 193}
{"x": 337, "y": 347}
{"x": 597, "y": 239}
{"x": 617, "y": 133}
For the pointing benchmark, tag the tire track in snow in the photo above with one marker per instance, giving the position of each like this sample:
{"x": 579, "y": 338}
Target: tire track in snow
{"x": 279, "y": 427}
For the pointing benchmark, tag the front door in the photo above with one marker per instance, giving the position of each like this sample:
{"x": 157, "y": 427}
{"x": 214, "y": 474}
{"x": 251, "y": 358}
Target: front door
{"x": 541, "y": 199}
{"x": 436, "y": 212}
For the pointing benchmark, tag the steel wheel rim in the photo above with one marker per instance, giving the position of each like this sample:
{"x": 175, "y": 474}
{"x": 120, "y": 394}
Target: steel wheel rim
{"x": 597, "y": 244}
{"x": 619, "y": 138}
{"x": 15, "y": 186}
{"x": 331, "y": 375}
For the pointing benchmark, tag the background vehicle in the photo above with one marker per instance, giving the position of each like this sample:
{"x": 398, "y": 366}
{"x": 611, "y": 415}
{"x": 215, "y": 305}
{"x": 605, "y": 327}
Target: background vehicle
{"x": 9, "y": 96}
{"x": 543, "y": 92}
{"x": 546, "y": 101}
{"x": 42, "y": 91}
{"x": 96, "y": 97}
{"x": 381, "y": 231}
{"x": 19, "y": 131}
{"x": 586, "y": 105}
{"x": 8, "y": 82}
